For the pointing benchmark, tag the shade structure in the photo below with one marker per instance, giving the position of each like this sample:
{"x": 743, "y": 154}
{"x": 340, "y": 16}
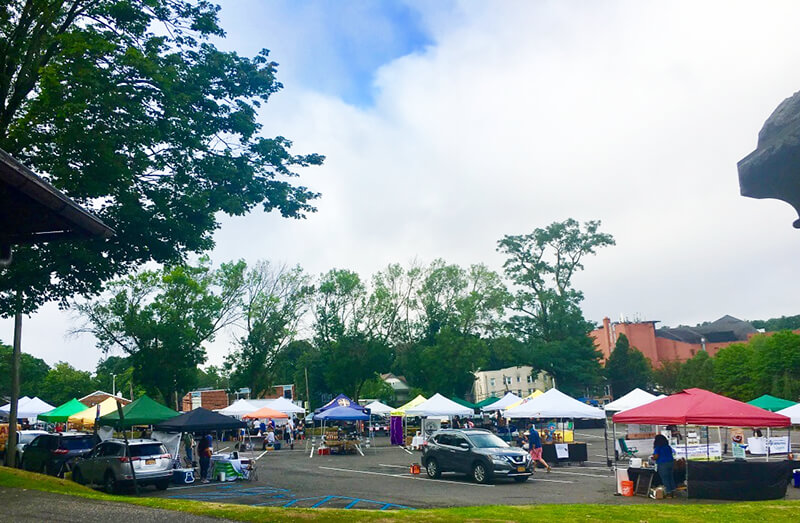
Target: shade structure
{"x": 376, "y": 408}
{"x": 701, "y": 407}
{"x": 771, "y": 403}
{"x": 284, "y": 405}
{"x": 5, "y": 409}
{"x": 535, "y": 394}
{"x": 61, "y": 413}
{"x": 143, "y": 411}
{"x": 439, "y": 405}
{"x": 509, "y": 399}
{"x": 265, "y": 413}
{"x": 401, "y": 410}
{"x": 464, "y": 403}
{"x": 28, "y": 408}
{"x": 554, "y": 404}
{"x": 486, "y": 402}
{"x": 200, "y": 420}
{"x": 238, "y": 408}
{"x": 793, "y": 413}
{"x": 631, "y": 400}
{"x": 352, "y": 412}
{"x": 88, "y": 416}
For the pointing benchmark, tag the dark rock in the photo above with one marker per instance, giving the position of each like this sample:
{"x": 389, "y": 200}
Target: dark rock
{"x": 773, "y": 169}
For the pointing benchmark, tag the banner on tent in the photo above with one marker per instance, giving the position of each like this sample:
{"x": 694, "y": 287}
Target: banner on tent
{"x": 699, "y": 452}
{"x": 777, "y": 445}
{"x": 429, "y": 426}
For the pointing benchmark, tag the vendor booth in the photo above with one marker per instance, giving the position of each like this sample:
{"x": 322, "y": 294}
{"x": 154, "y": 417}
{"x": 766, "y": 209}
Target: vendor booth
{"x": 62, "y": 413}
{"x": 27, "y": 408}
{"x": 557, "y": 446}
{"x": 87, "y": 417}
{"x": 143, "y": 411}
{"x": 435, "y": 408}
{"x": 740, "y": 479}
{"x": 503, "y": 403}
{"x": 398, "y": 425}
{"x": 334, "y": 440}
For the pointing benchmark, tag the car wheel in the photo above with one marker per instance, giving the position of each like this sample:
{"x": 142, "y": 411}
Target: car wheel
{"x": 77, "y": 477}
{"x": 432, "y": 468}
{"x": 163, "y": 485}
{"x": 110, "y": 483}
{"x": 521, "y": 479}
{"x": 479, "y": 473}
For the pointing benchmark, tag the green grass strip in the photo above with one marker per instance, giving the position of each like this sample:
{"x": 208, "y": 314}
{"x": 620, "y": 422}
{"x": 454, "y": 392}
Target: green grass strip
{"x": 656, "y": 511}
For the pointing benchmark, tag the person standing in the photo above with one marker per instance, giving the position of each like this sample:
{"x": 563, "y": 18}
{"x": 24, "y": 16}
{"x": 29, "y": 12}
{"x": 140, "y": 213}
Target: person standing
{"x": 665, "y": 461}
{"x": 290, "y": 432}
{"x": 535, "y": 447}
{"x": 204, "y": 452}
{"x": 188, "y": 443}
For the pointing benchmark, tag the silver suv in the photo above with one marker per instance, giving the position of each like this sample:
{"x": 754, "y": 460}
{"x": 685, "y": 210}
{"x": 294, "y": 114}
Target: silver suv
{"x": 110, "y": 466}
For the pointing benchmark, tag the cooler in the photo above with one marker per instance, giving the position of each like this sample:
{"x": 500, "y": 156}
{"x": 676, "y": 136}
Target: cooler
{"x": 183, "y": 476}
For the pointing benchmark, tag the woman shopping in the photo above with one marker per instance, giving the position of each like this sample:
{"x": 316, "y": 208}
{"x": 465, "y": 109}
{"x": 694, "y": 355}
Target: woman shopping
{"x": 662, "y": 455}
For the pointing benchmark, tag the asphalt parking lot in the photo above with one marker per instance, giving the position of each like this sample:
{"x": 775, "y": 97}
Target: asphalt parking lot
{"x": 381, "y": 480}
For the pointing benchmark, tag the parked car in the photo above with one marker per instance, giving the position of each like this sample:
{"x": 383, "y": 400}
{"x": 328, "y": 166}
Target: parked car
{"x": 477, "y": 453}
{"x": 24, "y": 437}
{"x": 54, "y": 453}
{"x": 109, "y": 465}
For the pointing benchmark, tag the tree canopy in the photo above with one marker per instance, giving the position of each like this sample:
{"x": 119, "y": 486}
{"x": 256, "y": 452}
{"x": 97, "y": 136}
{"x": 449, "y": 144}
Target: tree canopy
{"x": 627, "y": 368}
{"x": 128, "y": 108}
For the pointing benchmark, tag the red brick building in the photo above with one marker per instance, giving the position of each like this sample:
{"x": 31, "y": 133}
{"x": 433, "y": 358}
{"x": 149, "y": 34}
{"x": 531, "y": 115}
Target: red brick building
{"x": 670, "y": 344}
{"x": 208, "y": 399}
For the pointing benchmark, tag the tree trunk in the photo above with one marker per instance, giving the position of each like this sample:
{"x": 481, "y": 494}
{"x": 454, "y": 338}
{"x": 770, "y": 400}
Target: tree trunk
{"x": 11, "y": 443}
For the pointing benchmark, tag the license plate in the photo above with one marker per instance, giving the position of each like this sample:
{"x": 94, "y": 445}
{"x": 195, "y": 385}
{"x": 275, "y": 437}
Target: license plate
{"x": 520, "y": 469}
{"x": 149, "y": 462}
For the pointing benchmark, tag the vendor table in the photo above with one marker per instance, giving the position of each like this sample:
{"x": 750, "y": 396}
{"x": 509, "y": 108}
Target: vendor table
{"x": 740, "y": 480}
{"x": 678, "y": 474}
{"x": 575, "y": 452}
{"x": 233, "y": 468}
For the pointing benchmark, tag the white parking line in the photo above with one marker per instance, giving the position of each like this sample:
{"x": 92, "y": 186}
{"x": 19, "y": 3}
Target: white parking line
{"x": 259, "y": 456}
{"x": 552, "y": 480}
{"x": 393, "y": 466}
{"x": 581, "y": 474}
{"x": 403, "y": 476}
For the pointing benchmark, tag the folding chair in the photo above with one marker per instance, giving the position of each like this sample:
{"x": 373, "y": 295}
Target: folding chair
{"x": 625, "y": 452}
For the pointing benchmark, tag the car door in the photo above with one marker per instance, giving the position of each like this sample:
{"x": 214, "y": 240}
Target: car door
{"x": 31, "y": 457}
{"x": 88, "y": 465}
{"x": 461, "y": 455}
{"x": 446, "y": 452}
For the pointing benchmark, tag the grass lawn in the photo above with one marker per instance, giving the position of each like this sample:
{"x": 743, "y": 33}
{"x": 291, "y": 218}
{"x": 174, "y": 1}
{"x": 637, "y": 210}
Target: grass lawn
{"x": 754, "y": 511}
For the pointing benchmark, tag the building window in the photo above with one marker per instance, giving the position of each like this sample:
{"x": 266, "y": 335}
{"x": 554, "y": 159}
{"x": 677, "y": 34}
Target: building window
{"x": 518, "y": 379}
{"x": 491, "y": 382}
{"x": 530, "y": 391}
{"x": 530, "y": 379}
{"x": 507, "y": 380}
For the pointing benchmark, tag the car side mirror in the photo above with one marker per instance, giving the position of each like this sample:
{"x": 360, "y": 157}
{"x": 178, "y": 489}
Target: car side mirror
{"x": 464, "y": 445}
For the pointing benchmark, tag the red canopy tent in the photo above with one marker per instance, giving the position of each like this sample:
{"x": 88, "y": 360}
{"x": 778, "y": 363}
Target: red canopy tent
{"x": 701, "y": 407}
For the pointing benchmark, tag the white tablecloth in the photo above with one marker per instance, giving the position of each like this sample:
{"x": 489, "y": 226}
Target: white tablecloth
{"x": 416, "y": 442}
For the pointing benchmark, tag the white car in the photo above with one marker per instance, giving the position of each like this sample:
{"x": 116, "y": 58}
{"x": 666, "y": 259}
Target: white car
{"x": 23, "y": 438}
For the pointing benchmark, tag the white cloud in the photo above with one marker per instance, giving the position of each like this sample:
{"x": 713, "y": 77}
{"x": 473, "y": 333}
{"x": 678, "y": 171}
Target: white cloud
{"x": 521, "y": 114}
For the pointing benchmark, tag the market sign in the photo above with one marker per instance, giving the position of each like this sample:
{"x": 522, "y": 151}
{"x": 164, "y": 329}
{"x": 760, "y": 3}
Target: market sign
{"x": 777, "y": 445}
{"x": 699, "y": 452}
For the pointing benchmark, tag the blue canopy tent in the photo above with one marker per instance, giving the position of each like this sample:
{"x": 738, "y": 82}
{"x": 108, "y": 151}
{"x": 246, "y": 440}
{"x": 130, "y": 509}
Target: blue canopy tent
{"x": 341, "y": 408}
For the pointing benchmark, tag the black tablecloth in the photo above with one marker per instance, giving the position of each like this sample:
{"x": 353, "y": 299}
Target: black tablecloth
{"x": 577, "y": 453}
{"x": 678, "y": 474}
{"x": 741, "y": 480}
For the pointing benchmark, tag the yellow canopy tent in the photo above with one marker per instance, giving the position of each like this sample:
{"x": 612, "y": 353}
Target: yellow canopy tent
{"x": 401, "y": 411}
{"x": 86, "y": 417}
{"x": 526, "y": 398}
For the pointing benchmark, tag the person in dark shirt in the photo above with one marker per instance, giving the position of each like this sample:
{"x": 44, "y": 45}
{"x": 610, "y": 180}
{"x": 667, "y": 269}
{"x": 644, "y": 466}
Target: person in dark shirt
{"x": 662, "y": 455}
{"x": 535, "y": 447}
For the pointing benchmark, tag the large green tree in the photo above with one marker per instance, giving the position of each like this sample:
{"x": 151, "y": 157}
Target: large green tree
{"x": 32, "y": 372}
{"x": 162, "y": 319}
{"x": 129, "y": 108}
{"x": 547, "y": 314}
{"x": 627, "y": 368}
{"x": 734, "y": 367}
{"x": 698, "y": 372}
{"x": 777, "y": 364}
{"x": 63, "y": 382}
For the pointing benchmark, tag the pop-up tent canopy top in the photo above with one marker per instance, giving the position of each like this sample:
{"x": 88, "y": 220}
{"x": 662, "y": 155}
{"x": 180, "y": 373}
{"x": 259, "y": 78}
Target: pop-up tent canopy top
{"x": 535, "y": 394}
{"x": 554, "y": 404}
{"x": 631, "y": 400}
{"x": 200, "y": 420}
{"x": 285, "y": 406}
{"x": 509, "y": 399}
{"x": 771, "y": 403}
{"x": 701, "y": 407}
{"x": 792, "y": 413}
{"x": 439, "y": 405}
{"x": 61, "y": 413}
{"x": 239, "y": 407}
{"x": 143, "y": 411}
{"x": 28, "y": 408}
{"x": 265, "y": 413}
{"x": 88, "y": 416}
{"x": 376, "y": 408}
{"x": 401, "y": 410}
{"x": 5, "y": 409}
{"x": 342, "y": 408}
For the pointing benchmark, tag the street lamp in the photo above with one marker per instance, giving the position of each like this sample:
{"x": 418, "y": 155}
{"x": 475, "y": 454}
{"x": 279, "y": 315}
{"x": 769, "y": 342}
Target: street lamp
{"x": 113, "y": 384}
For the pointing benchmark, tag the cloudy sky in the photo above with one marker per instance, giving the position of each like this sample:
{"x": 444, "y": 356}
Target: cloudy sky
{"x": 449, "y": 124}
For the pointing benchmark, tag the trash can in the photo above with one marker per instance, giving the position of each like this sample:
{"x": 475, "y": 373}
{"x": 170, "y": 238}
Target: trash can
{"x": 627, "y": 488}
{"x": 796, "y": 477}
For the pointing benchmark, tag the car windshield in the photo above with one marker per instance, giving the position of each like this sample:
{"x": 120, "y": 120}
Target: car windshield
{"x": 77, "y": 443}
{"x": 487, "y": 441}
{"x": 148, "y": 449}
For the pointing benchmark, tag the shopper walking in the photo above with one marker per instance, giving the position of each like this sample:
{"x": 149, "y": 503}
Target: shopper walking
{"x": 535, "y": 447}
{"x": 204, "y": 451}
{"x": 665, "y": 461}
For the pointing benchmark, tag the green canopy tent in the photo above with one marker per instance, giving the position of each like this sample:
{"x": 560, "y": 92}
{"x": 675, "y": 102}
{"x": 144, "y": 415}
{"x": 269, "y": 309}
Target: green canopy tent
{"x": 771, "y": 403}
{"x": 486, "y": 402}
{"x": 61, "y": 413}
{"x": 143, "y": 411}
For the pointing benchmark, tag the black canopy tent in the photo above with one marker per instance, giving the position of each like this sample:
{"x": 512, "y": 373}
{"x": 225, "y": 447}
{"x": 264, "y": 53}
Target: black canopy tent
{"x": 200, "y": 420}
{"x": 33, "y": 211}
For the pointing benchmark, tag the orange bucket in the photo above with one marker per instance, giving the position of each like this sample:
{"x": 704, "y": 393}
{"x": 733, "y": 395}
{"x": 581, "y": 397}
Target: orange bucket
{"x": 627, "y": 488}
{"x": 414, "y": 469}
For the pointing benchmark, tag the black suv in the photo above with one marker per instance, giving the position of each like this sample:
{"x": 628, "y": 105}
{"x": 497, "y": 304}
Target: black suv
{"x": 53, "y": 453}
{"x": 475, "y": 452}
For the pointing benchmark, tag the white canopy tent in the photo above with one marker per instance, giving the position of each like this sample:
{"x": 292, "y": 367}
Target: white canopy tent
{"x": 28, "y": 408}
{"x": 6, "y": 409}
{"x": 283, "y": 405}
{"x": 241, "y": 407}
{"x": 554, "y": 404}
{"x": 792, "y": 413}
{"x": 238, "y": 408}
{"x": 438, "y": 405}
{"x": 503, "y": 403}
{"x": 377, "y": 408}
{"x": 633, "y": 399}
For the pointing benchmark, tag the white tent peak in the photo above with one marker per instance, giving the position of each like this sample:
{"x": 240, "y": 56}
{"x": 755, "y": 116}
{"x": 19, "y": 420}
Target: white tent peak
{"x": 377, "y": 408}
{"x": 792, "y": 413}
{"x": 635, "y": 398}
{"x": 509, "y": 399}
{"x": 439, "y": 405}
{"x": 554, "y": 404}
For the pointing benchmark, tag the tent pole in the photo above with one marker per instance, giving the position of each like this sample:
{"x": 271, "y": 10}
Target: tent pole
{"x": 605, "y": 438}
{"x": 686, "y": 456}
{"x": 768, "y": 438}
{"x": 708, "y": 443}
{"x": 614, "y": 430}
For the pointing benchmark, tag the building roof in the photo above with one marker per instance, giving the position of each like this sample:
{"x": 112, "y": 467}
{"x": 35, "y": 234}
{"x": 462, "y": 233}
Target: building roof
{"x": 34, "y": 211}
{"x": 725, "y": 329}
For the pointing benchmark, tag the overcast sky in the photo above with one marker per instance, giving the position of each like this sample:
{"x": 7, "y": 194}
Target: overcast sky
{"x": 449, "y": 124}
